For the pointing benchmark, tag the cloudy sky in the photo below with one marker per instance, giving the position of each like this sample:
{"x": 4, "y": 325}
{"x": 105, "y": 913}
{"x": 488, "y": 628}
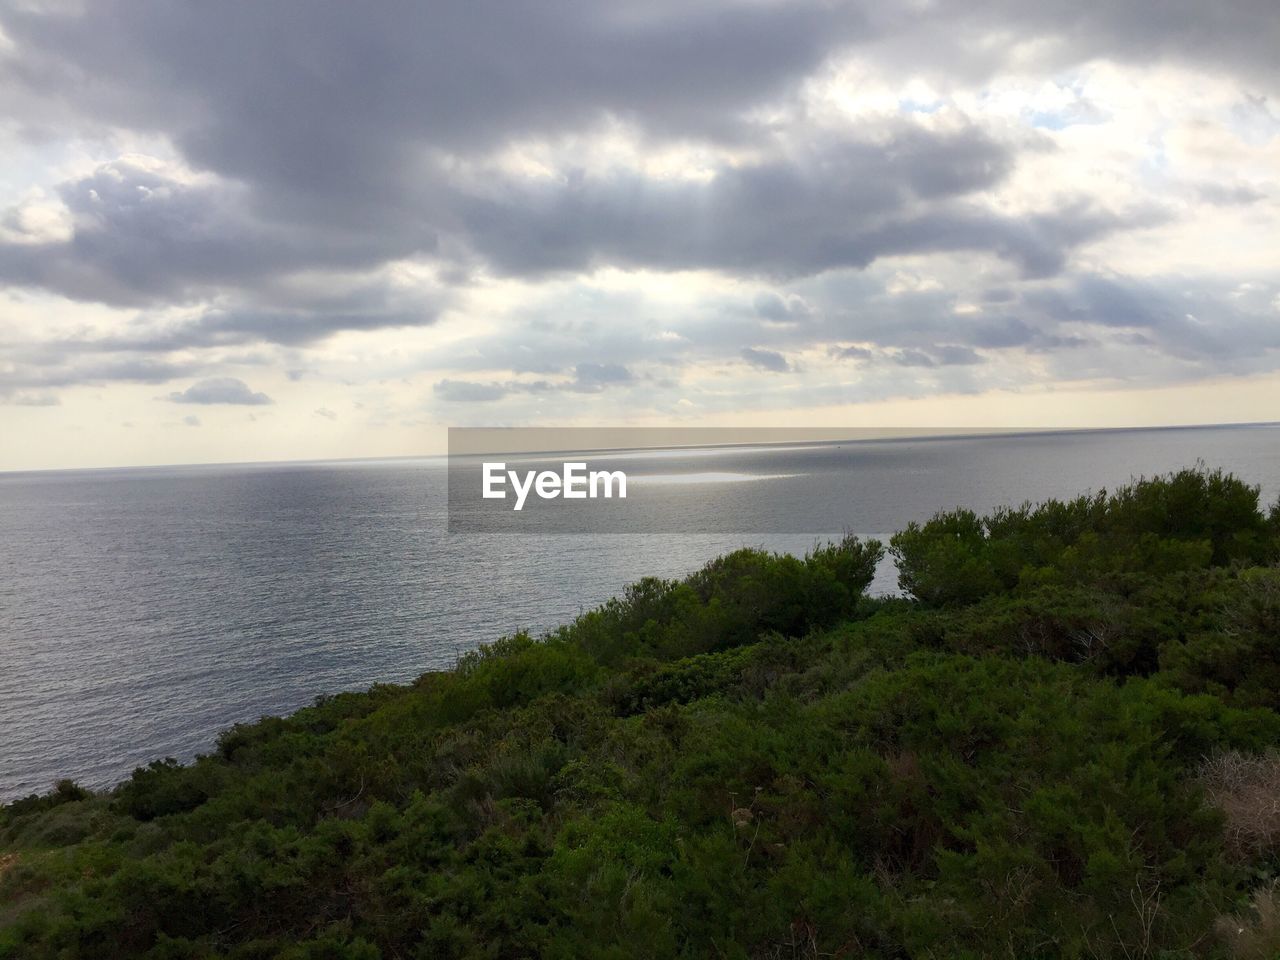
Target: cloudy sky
{"x": 245, "y": 230}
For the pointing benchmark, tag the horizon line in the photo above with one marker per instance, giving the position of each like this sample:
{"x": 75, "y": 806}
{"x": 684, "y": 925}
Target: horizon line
{"x": 953, "y": 433}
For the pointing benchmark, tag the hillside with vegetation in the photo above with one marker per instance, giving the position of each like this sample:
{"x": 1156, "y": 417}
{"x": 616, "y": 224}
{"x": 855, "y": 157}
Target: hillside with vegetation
{"x": 1062, "y": 744}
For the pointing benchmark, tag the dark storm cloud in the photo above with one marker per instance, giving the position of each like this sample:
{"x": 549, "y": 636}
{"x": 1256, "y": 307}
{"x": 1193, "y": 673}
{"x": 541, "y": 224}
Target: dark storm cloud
{"x": 336, "y": 122}
{"x": 1205, "y": 325}
{"x": 49, "y": 367}
{"x": 220, "y": 390}
{"x": 773, "y": 307}
{"x": 1108, "y": 302}
{"x": 284, "y": 91}
{"x": 842, "y": 203}
{"x": 1003, "y": 332}
{"x": 336, "y": 135}
{"x": 155, "y": 350}
{"x": 142, "y": 238}
{"x": 1037, "y": 243}
{"x": 289, "y": 320}
{"x": 851, "y": 353}
{"x": 769, "y": 360}
{"x": 1238, "y": 36}
{"x": 952, "y": 355}
{"x": 292, "y": 91}
{"x": 856, "y": 317}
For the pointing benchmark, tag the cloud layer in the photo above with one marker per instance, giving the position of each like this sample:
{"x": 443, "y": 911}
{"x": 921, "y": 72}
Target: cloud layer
{"x": 220, "y": 390}
{"x": 539, "y": 209}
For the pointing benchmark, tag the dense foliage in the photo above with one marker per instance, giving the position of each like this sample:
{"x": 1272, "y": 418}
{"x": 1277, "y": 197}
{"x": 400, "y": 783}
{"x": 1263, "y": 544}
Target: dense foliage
{"x": 1061, "y": 746}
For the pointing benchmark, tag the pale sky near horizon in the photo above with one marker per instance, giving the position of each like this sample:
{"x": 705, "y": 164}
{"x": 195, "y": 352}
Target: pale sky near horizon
{"x": 245, "y": 231}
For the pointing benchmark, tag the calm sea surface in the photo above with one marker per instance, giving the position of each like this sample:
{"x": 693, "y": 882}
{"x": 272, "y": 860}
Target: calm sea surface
{"x": 144, "y": 610}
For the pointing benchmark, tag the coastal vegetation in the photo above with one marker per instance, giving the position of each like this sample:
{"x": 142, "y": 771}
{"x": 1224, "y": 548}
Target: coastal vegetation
{"x": 1063, "y": 741}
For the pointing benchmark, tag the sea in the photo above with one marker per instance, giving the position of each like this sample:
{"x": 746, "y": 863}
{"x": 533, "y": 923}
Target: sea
{"x": 142, "y": 611}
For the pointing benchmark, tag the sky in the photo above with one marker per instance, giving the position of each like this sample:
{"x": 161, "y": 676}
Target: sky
{"x": 259, "y": 231}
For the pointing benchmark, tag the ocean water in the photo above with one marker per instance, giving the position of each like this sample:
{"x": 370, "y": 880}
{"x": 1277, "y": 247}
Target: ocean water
{"x": 144, "y": 610}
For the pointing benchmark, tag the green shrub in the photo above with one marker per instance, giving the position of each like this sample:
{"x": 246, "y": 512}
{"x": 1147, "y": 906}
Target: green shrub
{"x": 1188, "y": 520}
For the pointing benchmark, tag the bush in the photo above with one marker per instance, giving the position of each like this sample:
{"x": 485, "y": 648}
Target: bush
{"x": 1188, "y": 520}
{"x": 1255, "y": 933}
{"x": 1246, "y": 789}
{"x": 729, "y": 602}
{"x": 165, "y": 787}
